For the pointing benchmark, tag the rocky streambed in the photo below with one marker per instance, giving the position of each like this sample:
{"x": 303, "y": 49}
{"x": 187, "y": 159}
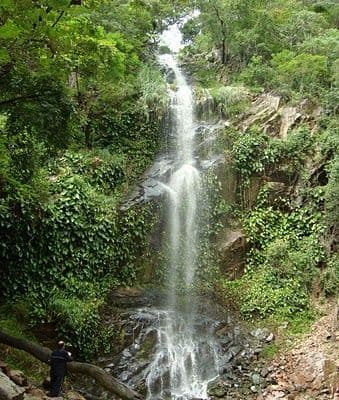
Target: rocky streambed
{"x": 137, "y": 317}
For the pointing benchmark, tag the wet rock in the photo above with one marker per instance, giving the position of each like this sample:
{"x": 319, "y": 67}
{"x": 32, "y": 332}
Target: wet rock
{"x": 149, "y": 186}
{"x": 205, "y": 105}
{"x": 217, "y": 388}
{"x": 126, "y": 353}
{"x": 260, "y": 334}
{"x": 130, "y": 298}
{"x": 9, "y": 390}
{"x": 170, "y": 76}
{"x": 256, "y": 379}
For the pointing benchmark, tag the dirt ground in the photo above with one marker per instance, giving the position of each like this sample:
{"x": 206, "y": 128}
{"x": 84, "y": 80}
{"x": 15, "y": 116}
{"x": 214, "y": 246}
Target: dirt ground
{"x": 310, "y": 369}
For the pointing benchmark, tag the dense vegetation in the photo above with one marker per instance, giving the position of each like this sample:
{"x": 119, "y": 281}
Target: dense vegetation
{"x": 81, "y": 102}
{"x": 236, "y": 51}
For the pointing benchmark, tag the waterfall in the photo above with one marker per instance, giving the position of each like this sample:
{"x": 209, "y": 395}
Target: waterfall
{"x": 185, "y": 358}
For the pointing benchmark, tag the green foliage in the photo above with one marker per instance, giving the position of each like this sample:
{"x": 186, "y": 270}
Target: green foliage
{"x": 287, "y": 47}
{"x": 154, "y": 97}
{"x": 283, "y": 263}
{"x": 269, "y": 351}
{"x": 325, "y": 44}
{"x": 257, "y": 74}
{"x": 230, "y": 100}
{"x": 256, "y": 153}
{"x": 305, "y": 73}
{"x": 249, "y": 152}
{"x": 264, "y": 297}
{"x": 78, "y": 321}
{"x": 76, "y": 235}
{"x": 329, "y": 280}
{"x": 332, "y": 192}
{"x": 11, "y": 322}
{"x": 280, "y": 284}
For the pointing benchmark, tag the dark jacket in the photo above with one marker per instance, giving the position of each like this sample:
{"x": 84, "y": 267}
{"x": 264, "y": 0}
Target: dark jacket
{"x": 59, "y": 359}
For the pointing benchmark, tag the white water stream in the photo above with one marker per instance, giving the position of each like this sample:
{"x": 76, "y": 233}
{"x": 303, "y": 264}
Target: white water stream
{"x": 186, "y": 358}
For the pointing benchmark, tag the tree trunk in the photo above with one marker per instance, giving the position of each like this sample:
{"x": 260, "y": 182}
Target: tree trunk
{"x": 223, "y": 52}
{"x": 104, "y": 379}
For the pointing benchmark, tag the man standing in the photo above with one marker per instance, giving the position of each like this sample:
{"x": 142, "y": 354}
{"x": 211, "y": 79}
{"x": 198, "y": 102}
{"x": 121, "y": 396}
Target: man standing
{"x": 60, "y": 357}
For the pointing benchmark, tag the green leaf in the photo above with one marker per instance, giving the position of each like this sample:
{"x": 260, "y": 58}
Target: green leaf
{"x": 9, "y": 30}
{"x": 4, "y": 56}
{"x": 58, "y": 4}
{"x": 6, "y": 4}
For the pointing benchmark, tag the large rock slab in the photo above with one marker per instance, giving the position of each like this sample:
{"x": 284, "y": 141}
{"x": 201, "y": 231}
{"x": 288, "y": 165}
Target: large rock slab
{"x": 263, "y": 108}
{"x": 9, "y": 390}
{"x": 232, "y": 248}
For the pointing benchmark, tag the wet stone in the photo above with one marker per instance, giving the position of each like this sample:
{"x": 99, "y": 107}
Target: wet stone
{"x": 260, "y": 334}
{"x": 256, "y": 379}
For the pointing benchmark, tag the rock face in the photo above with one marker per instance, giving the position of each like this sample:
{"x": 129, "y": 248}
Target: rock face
{"x": 289, "y": 115}
{"x": 9, "y": 390}
{"x": 262, "y": 110}
{"x": 232, "y": 250}
{"x": 276, "y": 119}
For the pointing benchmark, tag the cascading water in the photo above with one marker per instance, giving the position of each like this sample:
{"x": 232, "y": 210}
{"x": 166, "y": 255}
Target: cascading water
{"x": 185, "y": 357}
{"x": 172, "y": 344}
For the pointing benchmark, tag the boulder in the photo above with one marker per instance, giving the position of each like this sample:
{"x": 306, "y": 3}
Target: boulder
{"x": 18, "y": 377}
{"x": 217, "y": 388}
{"x": 37, "y": 394}
{"x": 232, "y": 249}
{"x": 170, "y": 76}
{"x": 71, "y": 395}
{"x": 9, "y": 390}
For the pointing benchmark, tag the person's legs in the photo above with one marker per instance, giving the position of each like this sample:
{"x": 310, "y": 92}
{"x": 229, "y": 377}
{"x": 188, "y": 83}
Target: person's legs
{"x": 56, "y": 384}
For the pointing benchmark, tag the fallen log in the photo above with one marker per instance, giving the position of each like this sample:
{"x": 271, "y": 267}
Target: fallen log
{"x": 103, "y": 378}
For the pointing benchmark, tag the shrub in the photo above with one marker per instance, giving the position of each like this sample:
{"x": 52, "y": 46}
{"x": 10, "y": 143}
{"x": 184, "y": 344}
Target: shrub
{"x": 329, "y": 280}
{"x": 78, "y": 321}
{"x": 264, "y": 295}
{"x": 154, "y": 98}
{"x": 332, "y": 193}
{"x": 257, "y": 73}
{"x": 230, "y": 100}
{"x": 305, "y": 73}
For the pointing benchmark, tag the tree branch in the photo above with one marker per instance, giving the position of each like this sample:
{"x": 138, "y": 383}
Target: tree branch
{"x": 104, "y": 379}
{"x": 59, "y": 18}
{"x": 18, "y": 98}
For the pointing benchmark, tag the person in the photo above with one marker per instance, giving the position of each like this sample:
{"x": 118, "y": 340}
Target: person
{"x": 59, "y": 359}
